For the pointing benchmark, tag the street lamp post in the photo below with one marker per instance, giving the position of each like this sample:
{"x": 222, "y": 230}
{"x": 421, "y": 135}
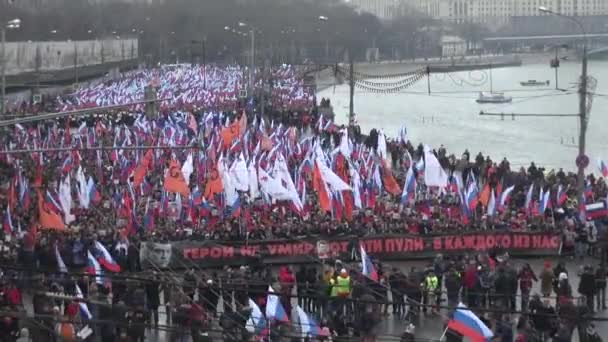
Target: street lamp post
{"x": 252, "y": 55}
{"x": 12, "y": 24}
{"x": 583, "y": 115}
{"x": 325, "y": 19}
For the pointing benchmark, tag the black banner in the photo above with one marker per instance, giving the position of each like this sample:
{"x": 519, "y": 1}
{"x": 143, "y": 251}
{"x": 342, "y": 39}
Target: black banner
{"x": 187, "y": 254}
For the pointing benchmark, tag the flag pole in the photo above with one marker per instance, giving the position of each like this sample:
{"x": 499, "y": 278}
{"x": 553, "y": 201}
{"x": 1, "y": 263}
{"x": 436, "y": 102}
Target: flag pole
{"x": 443, "y": 335}
{"x": 269, "y": 328}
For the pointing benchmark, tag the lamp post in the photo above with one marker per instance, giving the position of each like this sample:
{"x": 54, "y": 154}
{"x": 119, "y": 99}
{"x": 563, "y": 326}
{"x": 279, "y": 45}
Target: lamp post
{"x": 252, "y": 56}
{"x": 582, "y": 161}
{"x": 11, "y": 24}
{"x": 325, "y": 19}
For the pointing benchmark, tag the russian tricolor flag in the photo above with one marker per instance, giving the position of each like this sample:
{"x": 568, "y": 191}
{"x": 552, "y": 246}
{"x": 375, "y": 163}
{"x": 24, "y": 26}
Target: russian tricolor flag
{"x": 603, "y": 168}
{"x": 596, "y": 210}
{"x": 310, "y": 327}
{"x": 67, "y": 164}
{"x": 368, "y": 268}
{"x": 472, "y": 197}
{"x": 492, "y": 204}
{"x": 94, "y": 196}
{"x": 60, "y": 264}
{"x": 93, "y": 268}
{"x": 234, "y": 209}
{"x": 545, "y": 201}
{"x": 505, "y": 197}
{"x": 53, "y": 203}
{"x": 562, "y": 196}
{"x": 409, "y": 189}
{"x": 7, "y": 223}
{"x": 274, "y": 308}
{"x": 148, "y": 216}
{"x": 256, "y": 324}
{"x": 105, "y": 259}
{"x": 467, "y": 324}
{"x": 84, "y": 309}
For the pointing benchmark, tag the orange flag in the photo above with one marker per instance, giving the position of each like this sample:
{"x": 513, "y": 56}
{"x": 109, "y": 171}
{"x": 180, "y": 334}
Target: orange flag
{"x": 214, "y": 183}
{"x": 347, "y": 195}
{"x": 175, "y": 181}
{"x": 48, "y": 218}
{"x": 318, "y": 184}
{"x": 390, "y": 184}
{"x": 484, "y": 196}
{"x": 230, "y": 133}
{"x": 242, "y": 124}
{"x": 142, "y": 169}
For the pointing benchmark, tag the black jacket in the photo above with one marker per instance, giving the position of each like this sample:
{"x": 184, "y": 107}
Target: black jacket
{"x": 587, "y": 284}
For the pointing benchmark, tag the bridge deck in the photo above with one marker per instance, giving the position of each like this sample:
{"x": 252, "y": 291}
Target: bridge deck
{"x": 572, "y": 36}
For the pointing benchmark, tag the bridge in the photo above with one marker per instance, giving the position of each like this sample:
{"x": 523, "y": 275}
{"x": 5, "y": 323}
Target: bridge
{"x": 550, "y": 37}
{"x": 597, "y": 42}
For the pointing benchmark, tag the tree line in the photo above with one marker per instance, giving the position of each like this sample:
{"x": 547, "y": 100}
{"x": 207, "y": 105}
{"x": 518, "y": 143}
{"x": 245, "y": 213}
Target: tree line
{"x": 287, "y": 31}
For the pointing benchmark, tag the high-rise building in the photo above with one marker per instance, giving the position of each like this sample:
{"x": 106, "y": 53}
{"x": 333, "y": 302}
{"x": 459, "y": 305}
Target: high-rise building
{"x": 501, "y": 10}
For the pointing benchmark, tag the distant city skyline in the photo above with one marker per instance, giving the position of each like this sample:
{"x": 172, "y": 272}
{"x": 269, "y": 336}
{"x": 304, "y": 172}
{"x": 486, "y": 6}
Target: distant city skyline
{"x": 482, "y": 11}
{"x": 37, "y": 4}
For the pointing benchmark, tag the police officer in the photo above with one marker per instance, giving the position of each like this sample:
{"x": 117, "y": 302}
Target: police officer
{"x": 430, "y": 286}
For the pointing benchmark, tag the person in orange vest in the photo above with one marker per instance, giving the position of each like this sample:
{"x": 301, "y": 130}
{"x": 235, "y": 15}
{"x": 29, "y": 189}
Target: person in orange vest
{"x": 65, "y": 331}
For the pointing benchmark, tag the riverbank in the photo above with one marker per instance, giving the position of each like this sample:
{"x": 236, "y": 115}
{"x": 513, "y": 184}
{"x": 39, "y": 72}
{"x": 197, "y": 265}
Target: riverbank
{"x": 325, "y": 78}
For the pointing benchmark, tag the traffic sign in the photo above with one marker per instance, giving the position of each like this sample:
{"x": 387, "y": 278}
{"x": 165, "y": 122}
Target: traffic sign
{"x": 582, "y": 161}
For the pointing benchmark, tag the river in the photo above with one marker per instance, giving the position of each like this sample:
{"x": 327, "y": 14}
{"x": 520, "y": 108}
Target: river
{"x": 450, "y": 115}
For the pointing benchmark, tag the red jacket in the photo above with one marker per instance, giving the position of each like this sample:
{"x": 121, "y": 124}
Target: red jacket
{"x": 470, "y": 277}
{"x": 13, "y": 296}
{"x": 196, "y": 314}
{"x": 286, "y": 277}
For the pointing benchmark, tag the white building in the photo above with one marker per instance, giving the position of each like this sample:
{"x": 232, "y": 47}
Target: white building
{"x": 500, "y": 10}
{"x": 383, "y": 9}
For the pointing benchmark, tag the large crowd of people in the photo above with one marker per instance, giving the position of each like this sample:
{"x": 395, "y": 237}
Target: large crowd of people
{"x": 81, "y": 195}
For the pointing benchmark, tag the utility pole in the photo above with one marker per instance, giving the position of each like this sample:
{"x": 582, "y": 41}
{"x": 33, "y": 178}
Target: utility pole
{"x": 582, "y": 161}
{"x": 3, "y": 98}
{"x": 204, "y": 43}
{"x": 75, "y": 63}
{"x": 252, "y": 66}
{"x": 582, "y": 139}
{"x": 263, "y": 93}
{"x": 351, "y": 107}
{"x": 555, "y": 64}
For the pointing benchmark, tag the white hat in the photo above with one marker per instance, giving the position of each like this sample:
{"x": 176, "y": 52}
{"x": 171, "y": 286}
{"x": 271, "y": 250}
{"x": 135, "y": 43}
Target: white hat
{"x": 563, "y": 276}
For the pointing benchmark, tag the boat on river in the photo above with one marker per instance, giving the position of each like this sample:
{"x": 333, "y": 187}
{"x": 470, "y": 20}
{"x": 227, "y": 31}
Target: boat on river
{"x": 493, "y": 98}
{"x": 534, "y": 83}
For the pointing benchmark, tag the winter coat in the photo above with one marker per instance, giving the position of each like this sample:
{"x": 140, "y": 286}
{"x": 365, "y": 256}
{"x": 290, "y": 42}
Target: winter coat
{"x": 546, "y": 281}
{"x": 526, "y": 280}
{"x": 470, "y": 277}
{"x": 587, "y": 284}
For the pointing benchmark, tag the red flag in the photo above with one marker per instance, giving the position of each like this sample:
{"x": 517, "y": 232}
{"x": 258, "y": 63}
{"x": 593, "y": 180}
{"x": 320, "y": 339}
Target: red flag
{"x": 48, "y": 218}
{"x": 389, "y": 181}
{"x": 175, "y": 181}
{"x": 142, "y": 168}
{"x": 318, "y": 184}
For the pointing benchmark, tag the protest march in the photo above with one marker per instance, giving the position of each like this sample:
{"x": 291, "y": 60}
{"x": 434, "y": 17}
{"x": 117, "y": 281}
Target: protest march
{"x": 211, "y": 184}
